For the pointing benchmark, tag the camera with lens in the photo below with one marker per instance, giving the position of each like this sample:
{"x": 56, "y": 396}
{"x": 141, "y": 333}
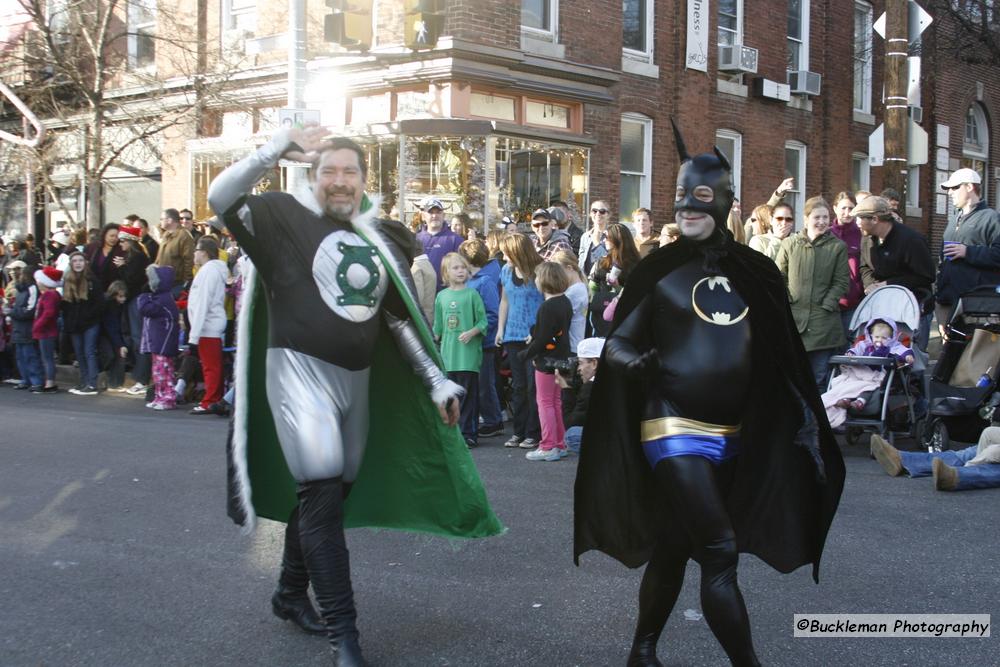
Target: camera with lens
{"x": 565, "y": 367}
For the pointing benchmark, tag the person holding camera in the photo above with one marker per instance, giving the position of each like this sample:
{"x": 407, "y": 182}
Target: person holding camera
{"x": 588, "y": 352}
{"x": 548, "y": 348}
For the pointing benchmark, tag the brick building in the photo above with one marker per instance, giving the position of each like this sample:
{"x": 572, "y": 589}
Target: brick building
{"x": 524, "y": 101}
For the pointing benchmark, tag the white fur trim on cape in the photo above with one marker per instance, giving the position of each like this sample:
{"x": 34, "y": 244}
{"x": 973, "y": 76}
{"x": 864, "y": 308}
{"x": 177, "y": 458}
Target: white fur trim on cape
{"x": 242, "y": 375}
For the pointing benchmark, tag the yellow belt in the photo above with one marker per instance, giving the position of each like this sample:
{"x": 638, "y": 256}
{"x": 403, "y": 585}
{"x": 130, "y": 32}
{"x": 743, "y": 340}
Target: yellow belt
{"x": 654, "y": 429}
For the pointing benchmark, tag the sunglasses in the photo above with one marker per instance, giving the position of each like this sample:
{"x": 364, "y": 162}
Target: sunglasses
{"x": 536, "y": 225}
{"x": 186, "y": 218}
{"x": 953, "y": 187}
{"x": 779, "y": 219}
{"x": 601, "y": 211}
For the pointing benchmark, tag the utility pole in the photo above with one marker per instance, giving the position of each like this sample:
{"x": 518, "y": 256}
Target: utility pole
{"x": 296, "y": 75}
{"x": 896, "y": 106}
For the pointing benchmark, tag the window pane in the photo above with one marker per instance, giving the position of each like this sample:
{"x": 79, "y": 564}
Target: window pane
{"x": 728, "y": 147}
{"x": 634, "y": 24}
{"x": 728, "y": 26}
{"x": 633, "y": 141}
{"x": 793, "y": 55}
{"x": 631, "y": 186}
{"x": 535, "y": 14}
{"x": 792, "y": 166}
{"x": 145, "y": 48}
{"x": 795, "y": 19}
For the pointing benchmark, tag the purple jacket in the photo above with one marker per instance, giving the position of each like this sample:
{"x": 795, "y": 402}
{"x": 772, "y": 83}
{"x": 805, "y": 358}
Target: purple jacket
{"x": 160, "y": 317}
{"x": 437, "y": 246}
{"x": 851, "y": 235}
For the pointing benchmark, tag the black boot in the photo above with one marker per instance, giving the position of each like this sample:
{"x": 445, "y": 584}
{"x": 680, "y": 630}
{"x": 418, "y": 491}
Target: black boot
{"x": 291, "y": 601}
{"x": 643, "y": 653}
{"x": 321, "y": 534}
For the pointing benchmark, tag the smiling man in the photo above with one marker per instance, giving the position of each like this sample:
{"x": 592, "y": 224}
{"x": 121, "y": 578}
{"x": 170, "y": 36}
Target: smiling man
{"x": 337, "y": 323}
{"x": 687, "y": 458}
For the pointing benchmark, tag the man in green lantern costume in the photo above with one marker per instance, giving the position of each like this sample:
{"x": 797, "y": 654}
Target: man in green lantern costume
{"x": 329, "y": 396}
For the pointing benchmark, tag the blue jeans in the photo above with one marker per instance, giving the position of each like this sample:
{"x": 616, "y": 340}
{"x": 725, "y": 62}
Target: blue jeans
{"x": 574, "y": 434}
{"x": 489, "y": 403}
{"x": 143, "y": 368}
{"x": 983, "y": 476}
{"x": 819, "y": 360}
{"x": 29, "y": 364}
{"x": 47, "y": 352}
{"x": 85, "y": 348}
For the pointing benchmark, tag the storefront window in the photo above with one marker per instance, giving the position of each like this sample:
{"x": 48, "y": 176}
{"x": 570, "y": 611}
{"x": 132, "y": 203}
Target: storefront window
{"x": 528, "y": 175}
{"x": 205, "y": 167}
{"x": 449, "y": 168}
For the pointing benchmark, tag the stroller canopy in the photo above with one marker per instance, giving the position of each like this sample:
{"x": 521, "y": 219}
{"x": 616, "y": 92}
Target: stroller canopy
{"x": 893, "y": 301}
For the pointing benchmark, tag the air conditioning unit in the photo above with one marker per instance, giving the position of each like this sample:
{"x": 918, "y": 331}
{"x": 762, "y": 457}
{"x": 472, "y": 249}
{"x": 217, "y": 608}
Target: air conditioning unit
{"x": 804, "y": 83}
{"x": 737, "y": 58}
{"x": 996, "y": 173}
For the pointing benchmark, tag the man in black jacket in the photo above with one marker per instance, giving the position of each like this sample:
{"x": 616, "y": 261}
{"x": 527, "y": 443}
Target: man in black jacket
{"x": 894, "y": 254}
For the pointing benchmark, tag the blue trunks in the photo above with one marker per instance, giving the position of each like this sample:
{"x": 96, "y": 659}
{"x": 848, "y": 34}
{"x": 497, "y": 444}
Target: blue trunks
{"x": 676, "y": 436}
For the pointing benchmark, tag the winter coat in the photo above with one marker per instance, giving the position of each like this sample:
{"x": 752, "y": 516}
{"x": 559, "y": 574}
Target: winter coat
{"x": 78, "y": 316}
{"x": 46, "y": 323}
{"x": 177, "y": 251}
{"x": 23, "y": 314}
{"x": 817, "y": 276}
{"x": 979, "y": 231}
{"x": 850, "y": 234}
{"x": 134, "y": 272}
{"x": 160, "y": 317}
{"x": 104, "y": 267}
{"x": 111, "y": 323}
{"x": 487, "y": 283}
{"x": 206, "y": 309}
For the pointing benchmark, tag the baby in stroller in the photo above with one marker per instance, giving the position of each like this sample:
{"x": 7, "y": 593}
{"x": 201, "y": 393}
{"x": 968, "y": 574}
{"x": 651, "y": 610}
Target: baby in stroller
{"x": 846, "y": 389}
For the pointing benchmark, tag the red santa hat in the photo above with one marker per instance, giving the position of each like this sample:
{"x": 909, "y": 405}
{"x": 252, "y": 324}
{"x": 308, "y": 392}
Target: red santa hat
{"x": 49, "y": 276}
{"x": 127, "y": 233}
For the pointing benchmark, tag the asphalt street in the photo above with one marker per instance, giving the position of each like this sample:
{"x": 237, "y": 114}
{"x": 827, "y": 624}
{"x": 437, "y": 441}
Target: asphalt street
{"x": 115, "y": 550}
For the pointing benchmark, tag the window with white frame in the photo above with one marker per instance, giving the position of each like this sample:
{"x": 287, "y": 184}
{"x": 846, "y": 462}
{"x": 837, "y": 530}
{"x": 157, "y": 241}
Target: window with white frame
{"x": 636, "y": 163}
{"x": 637, "y": 28}
{"x": 57, "y": 12}
{"x": 798, "y": 35}
{"x": 540, "y": 16}
{"x": 730, "y": 143}
{"x": 795, "y": 167}
{"x": 862, "y": 57}
{"x": 730, "y": 22}
{"x": 860, "y": 172}
{"x": 976, "y": 145}
{"x": 239, "y": 15}
{"x": 913, "y": 188}
{"x": 141, "y": 33}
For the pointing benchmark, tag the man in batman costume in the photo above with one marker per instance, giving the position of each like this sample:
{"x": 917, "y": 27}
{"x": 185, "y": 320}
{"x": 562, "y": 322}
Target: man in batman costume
{"x": 339, "y": 388}
{"x": 711, "y": 438}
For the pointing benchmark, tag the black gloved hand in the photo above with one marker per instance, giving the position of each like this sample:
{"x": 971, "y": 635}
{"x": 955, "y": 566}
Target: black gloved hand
{"x": 644, "y": 364}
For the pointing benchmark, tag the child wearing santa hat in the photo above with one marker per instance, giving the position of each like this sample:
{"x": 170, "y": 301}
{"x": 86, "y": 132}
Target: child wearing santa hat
{"x": 45, "y": 328}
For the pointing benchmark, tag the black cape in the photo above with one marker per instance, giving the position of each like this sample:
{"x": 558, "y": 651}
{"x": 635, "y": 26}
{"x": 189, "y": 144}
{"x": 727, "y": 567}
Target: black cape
{"x": 790, "y": 476}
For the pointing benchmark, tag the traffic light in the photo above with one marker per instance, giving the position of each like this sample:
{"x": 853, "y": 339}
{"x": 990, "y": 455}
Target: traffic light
{"x": 349, "y": 24}
{"x": 423, "y": 23}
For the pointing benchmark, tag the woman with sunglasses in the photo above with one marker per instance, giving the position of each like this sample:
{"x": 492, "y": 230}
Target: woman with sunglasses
{"x": 592, "y": 242}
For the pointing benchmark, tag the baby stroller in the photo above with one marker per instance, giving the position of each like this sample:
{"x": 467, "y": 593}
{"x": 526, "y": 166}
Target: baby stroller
{"x": 962, "y": 391}
{"x": 894, "y": 407}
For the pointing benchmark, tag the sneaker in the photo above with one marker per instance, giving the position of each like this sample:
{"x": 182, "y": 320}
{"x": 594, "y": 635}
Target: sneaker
{"x": 152, "y": 404}
{"x": 513, "y": 441}
{"x": 528, "y": 443}
{"x": 74, "y": 390}
{"x": 161, "y": 406}
{"x": 12, "y": 381}
{"x": 21, "y": 387}
{"x": 553, "y": 454}
{"x": 50, "y": 390}
{"x": 491, "y": 431}
{"x": 221, "y": 409}
{"x": 470, "y": 443}
{"x": 199, "y": 410}
{"x": 87, "y": 391}
{"x": 136, "y": 389}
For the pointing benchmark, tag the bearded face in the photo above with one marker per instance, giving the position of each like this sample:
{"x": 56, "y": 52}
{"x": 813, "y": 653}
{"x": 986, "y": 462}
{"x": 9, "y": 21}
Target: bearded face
{"x": 339, "y": 184}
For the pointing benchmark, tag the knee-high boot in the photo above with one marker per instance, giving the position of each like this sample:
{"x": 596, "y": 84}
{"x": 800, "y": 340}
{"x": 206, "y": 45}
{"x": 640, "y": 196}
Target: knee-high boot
{"x": 291, "y": 600}
{"x": 324, "y": 548}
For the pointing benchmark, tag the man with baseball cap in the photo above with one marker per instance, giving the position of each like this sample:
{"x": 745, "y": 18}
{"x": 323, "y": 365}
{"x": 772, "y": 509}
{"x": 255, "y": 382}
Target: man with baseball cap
{"x": 894, "y": 254}
{"x": 548, "y": 240}
{"x": 438, "y": 239}
{"x": 970, "y": 253}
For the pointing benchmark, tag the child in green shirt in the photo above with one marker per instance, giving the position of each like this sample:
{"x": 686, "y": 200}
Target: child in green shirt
{"x": 459, "y": 323}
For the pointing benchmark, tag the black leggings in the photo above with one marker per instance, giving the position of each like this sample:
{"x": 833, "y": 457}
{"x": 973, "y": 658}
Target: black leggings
{"x": 694, "y": 489}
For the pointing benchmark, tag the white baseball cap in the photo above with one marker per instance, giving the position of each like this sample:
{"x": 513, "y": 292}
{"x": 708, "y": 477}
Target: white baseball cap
{"x": 590, "y": 348}
{"x": 963, "y": 175}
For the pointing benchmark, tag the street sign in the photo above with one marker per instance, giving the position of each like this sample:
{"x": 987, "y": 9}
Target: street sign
{"x": 918, "y": 20}
{"x": 876, "y": 146}
{"x": 916, "y": 144}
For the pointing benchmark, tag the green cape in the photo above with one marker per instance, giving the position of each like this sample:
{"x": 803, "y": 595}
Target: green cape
{"x": 417, "y": 473}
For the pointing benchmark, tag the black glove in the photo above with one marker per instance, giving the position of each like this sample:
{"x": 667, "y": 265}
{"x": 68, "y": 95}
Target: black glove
{"x": 644, "y": 364}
